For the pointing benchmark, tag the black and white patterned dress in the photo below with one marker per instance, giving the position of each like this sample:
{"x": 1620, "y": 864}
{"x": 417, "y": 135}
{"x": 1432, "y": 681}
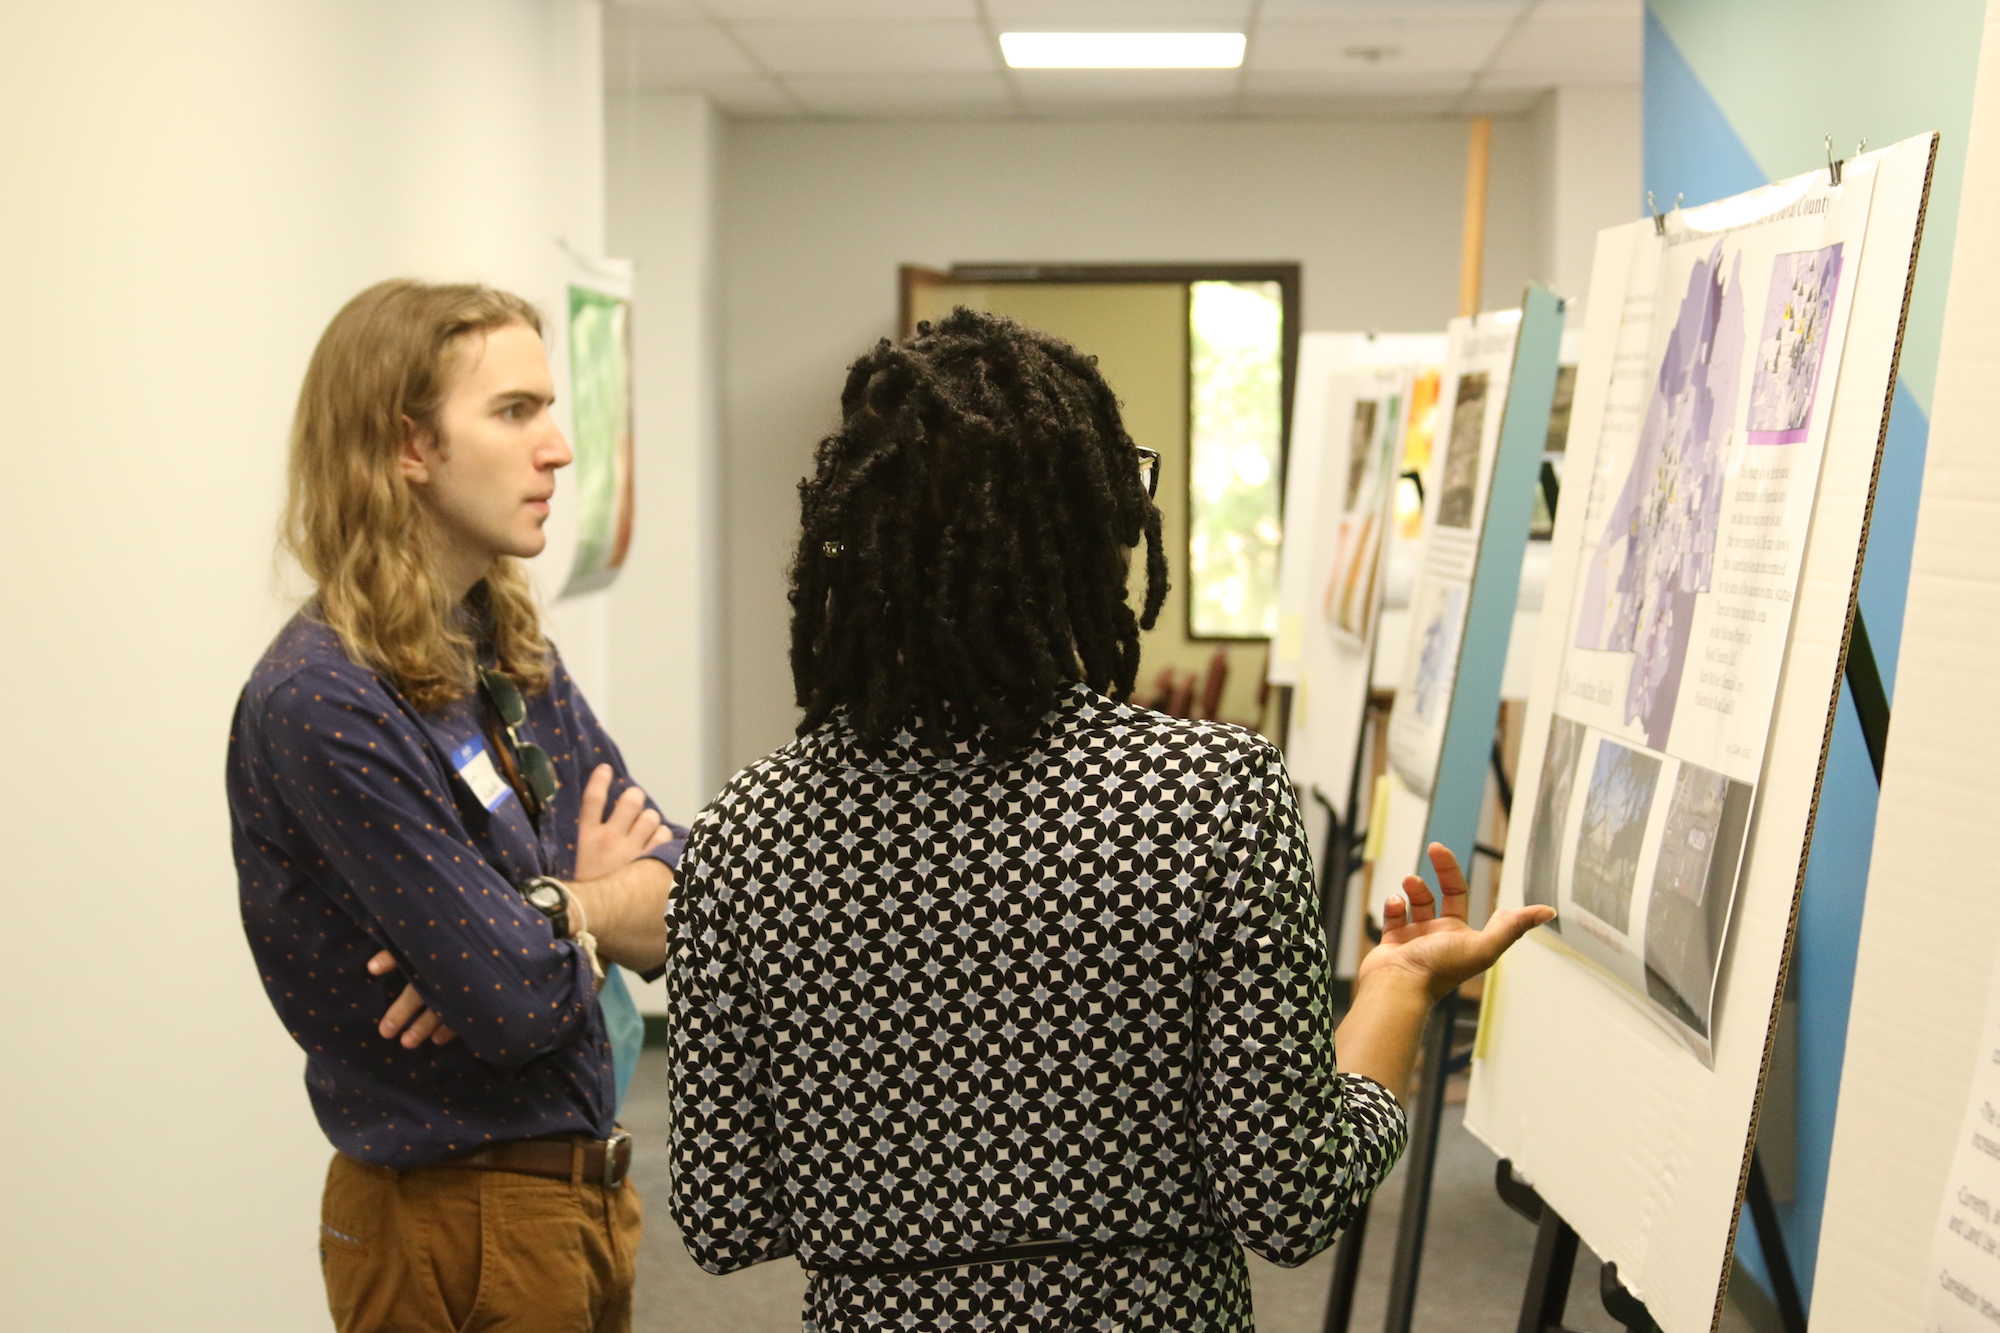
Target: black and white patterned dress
{"x": 928, "y": 1007}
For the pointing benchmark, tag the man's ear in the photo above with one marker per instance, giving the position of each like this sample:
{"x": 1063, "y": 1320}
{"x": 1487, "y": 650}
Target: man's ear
{"x": 416, "y": 453}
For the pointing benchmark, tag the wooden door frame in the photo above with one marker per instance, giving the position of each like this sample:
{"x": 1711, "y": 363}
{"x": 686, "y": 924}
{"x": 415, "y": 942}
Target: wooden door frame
{"x": 1288, "y": 276}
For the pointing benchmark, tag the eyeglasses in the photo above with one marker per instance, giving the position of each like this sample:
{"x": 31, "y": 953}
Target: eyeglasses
{"x": 1149, "y": 470}
{"x": 538, "y": 785}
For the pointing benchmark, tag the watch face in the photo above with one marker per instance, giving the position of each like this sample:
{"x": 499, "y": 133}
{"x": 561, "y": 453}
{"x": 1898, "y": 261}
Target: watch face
{"x": 545, "y": 898}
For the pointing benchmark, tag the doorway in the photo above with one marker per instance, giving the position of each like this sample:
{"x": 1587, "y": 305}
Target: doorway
{"x": 1201, "y": 358}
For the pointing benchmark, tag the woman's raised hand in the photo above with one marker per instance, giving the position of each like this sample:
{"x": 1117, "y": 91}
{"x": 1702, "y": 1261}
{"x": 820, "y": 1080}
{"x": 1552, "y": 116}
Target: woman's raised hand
{"x": 1432, "y": 942}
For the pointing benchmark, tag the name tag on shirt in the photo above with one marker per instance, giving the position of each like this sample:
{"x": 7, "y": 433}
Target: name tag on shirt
{"x": 475, "y": 768}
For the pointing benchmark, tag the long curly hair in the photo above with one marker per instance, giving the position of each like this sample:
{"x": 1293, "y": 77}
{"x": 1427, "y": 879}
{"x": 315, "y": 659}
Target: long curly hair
{"x": 965, "y": 540}
{"x": 354, "y": 524}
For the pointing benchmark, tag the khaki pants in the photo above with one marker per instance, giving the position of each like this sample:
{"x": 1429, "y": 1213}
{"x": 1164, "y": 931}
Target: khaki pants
{"x": 439, "y": 1250}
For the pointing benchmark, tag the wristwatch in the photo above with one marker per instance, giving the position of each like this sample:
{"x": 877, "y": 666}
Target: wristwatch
{"x": 550, "y": 897}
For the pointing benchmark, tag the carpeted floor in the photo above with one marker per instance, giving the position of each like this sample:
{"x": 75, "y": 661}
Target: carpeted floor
{"x": 1475, "y": 1261}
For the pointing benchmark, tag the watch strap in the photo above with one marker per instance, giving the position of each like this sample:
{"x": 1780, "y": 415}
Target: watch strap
{"x": 559, "y": 919}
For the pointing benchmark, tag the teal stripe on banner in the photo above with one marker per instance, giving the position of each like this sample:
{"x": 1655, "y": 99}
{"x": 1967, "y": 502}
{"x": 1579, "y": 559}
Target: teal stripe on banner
{"x": 1460, "y": 789}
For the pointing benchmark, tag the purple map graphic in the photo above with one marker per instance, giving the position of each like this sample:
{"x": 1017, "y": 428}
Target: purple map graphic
{"x": 1658, "y": 547}
{"x": 1792, "y": 347}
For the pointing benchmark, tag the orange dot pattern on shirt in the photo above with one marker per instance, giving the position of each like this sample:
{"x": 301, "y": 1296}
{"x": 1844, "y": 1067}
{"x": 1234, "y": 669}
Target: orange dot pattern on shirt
{"x": 353, "y": 834}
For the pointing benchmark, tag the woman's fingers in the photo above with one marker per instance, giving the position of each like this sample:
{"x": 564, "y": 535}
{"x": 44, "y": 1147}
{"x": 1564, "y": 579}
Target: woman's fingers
{"x": 1423, "y": 903}
{"x": 1395, "y": 914}
{"x": 1509, "y": 924}
{"x": 1450, "y": 879}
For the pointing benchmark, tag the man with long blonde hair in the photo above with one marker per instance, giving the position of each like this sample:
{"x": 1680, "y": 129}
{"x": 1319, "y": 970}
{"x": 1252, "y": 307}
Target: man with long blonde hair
{"x": 428, "y": 817}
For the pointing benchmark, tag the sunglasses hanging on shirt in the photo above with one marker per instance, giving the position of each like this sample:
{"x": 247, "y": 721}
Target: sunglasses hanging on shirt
{"x": 526, "y": 761}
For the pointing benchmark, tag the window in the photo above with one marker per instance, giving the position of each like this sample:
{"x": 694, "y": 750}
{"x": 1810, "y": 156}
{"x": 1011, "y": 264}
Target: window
{"x": 1236, "y": 341}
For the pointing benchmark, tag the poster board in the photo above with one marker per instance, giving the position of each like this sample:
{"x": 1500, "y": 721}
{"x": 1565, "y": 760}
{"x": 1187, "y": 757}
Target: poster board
{"x": 1352, "y": 389}
{"x": 1621, "y": 1125}
{"x": 1473, "y": 401}
{"x": 1930, "y": 935}
{"x": 1405, "y": 813}
{"x": 590, "y": 347}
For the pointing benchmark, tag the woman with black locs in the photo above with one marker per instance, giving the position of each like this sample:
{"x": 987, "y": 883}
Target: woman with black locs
{"x": 1000, "y": 1002}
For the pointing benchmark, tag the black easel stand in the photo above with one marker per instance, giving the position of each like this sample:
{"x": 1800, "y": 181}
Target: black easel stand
{"x": 1421, "y": 1154}
{"x": 1547, "y": 1296}
{"x": 1343, "y": 836}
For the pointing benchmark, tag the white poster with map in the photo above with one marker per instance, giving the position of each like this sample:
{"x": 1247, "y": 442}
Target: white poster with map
{"x": 1472, "y": 400}
{"x": 1717, "y": 393}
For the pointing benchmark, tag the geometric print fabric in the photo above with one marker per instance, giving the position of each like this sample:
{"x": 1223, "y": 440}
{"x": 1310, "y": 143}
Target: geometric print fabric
{"x": 926, "y": 1006}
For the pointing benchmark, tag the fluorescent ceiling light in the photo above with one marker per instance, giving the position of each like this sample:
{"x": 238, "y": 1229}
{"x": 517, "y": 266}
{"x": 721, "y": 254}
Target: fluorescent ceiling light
{"x": 1122, "y": 50}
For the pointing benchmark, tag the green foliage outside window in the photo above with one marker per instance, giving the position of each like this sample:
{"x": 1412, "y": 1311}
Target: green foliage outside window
{"x": 1236, "y": 332}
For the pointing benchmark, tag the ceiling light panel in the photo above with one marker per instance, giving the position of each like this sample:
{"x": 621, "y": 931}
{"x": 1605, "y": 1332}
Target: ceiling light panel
{"x": 869, "y": 48}
{"x": 1123, "y": 50}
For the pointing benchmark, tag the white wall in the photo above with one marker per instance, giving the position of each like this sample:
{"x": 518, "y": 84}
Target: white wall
{"x": 192, "y": 190}
{"x": 816, "y": 217}
{"x": 665, "y": 631}
{"x": 1594, "y": 168}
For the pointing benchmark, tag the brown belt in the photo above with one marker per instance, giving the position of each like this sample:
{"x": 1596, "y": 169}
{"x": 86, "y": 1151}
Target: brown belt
{"x": 605, "y": 1162}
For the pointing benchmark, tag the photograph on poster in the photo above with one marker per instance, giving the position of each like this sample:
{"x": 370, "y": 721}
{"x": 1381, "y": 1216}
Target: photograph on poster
{"x": 1472, "y": 403}
{"x": 1559, "y": 410}
{"x": 600, "y": 374}
{"x": 1796, "y": 313}
{"x": 1687, "y": 912}
{"x": 1459, "y": 481}
{"x": 1360, "y": 444}
{"x": 1442, "y": 617}
{"x": 1616, "y": 806}
{"x": 1543, "y": 525}
{"x": 1350, "y": 601}
{"x": 1698, "y": 506}
{"x": 1545, "y": 836}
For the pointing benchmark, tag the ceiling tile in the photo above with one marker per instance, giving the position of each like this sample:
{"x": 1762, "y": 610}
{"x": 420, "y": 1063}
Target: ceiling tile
{"x": 1118, "y": 15}
{"x": 737, "y": 94}
{"x": 1632, "y": 11}
{"x": 1353, "y": 83}
{"x": 638, "y": 48}
{"x": 1394, "y": 104}
{"x": 1454, "y": 44}
{"x": 687, "y": 11}
{"x": 877, "y": 95}
{"x": 1485, "y": 101}
{"x": 1574, "y": 48}
{"x": 833, "y": 11}
{"x": 1401, "y": 11}
{"x": 867, "y": 48}
{"x": 1189, "y": 89}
